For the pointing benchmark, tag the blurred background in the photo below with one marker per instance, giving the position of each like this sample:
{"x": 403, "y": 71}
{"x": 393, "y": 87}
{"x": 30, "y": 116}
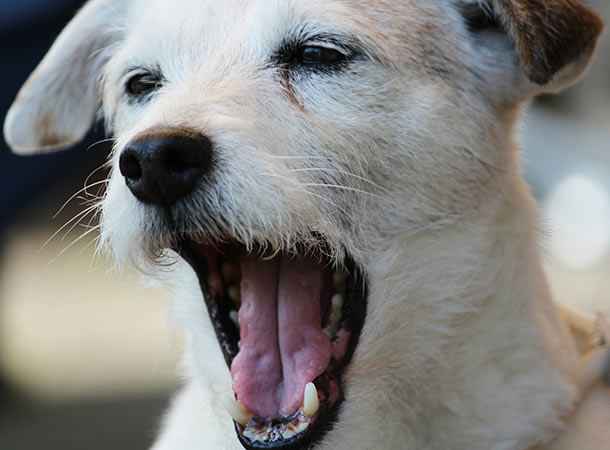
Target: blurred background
{"x": 86, "y": 357}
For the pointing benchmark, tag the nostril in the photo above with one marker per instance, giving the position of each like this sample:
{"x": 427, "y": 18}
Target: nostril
{"x": 129, "y": 165}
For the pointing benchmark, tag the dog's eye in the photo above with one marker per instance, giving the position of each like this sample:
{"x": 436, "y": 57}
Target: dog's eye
{"x": 142, "y": 83}
{"x": 316, "y": 55}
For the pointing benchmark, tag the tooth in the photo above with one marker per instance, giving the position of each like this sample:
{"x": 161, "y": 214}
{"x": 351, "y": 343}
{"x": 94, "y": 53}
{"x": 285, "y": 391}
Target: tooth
{"x": 339, "y": 280}
{"x": 302, "y": 427}
{"x": 247, "y": 433}
{"x": 336, "y": 309}
{"x": 234, "y": 317}
{"x": 311, "y": 403}
{"x": 337, "y": 303}
{"x": 236, "y": 410}
{"x": 234, "y": 294}
{"x": 288, "y": 434}
{"x": 229, "y": 271}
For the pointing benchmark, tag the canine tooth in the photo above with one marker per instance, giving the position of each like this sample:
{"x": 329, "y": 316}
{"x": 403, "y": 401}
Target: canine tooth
{"x": 335, "y": 310}
{"x": 236, "y": 410}
{"x": 311, "y": 403}
{"x": 234, "y": 294}
{"x": 337, "y": 303}
{"x": 234, "y": 317}
{"x": 339, "y": 281}
{"x": 229, "y": 271}
{"x": 301, "y": 427}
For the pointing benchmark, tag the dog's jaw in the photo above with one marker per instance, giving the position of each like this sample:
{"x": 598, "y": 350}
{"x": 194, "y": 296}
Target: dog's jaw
{"x": 473, "y": 314}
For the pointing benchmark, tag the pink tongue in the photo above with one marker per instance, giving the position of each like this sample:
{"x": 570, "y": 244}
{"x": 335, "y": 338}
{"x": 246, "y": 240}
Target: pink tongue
{"x": 283, "y": 346}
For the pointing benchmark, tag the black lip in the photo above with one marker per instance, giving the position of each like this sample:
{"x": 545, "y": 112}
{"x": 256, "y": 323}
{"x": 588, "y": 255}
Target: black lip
{"x": 354, "y": 312}
{"x": 218, "y": 308}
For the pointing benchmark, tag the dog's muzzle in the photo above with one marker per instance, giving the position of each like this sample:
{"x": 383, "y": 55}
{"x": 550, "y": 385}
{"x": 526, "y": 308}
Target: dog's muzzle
{"x": 288, "y": 321}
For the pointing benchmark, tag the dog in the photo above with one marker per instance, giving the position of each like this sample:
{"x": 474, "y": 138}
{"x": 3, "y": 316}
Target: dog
{"x": 333, "y": 192}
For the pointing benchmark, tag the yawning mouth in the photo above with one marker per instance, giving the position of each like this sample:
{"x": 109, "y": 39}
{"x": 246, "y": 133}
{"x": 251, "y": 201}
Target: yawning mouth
{"x": 288, "y": 325}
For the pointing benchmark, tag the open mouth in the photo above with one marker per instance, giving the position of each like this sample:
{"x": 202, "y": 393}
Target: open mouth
{"x": 288, "y": 325}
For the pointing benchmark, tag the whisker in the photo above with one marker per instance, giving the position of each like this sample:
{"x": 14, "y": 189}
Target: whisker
{"x": 104, "y": 165}
{"x": 372, "y": 183}
{"x": 75, "y": 241}
{"x": 75, "y": 224}
{"x": 305, "y": 191}
{"x": 338, "y": 171}
{"x": 94, "y": 240}
{"x": 101, "y": 141}
{"x": 96, "y": 254}
{"x": 84, "y": 189}
{"x": 325, "y": 158}
{"x": 76, "y": 217}
{"x": 347, "y": 188}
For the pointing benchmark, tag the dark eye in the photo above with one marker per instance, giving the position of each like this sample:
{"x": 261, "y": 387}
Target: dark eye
{"x": 143, "y": 83}
{"x": 318, "y": 55}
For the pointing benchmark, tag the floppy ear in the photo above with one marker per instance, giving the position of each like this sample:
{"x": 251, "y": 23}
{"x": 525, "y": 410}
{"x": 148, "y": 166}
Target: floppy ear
{"x": 553, "y": 39}
{"x": 57, "y": 104}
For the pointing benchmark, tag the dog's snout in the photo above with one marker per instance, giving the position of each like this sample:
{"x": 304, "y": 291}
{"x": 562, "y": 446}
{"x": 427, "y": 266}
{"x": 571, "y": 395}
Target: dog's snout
{"x": 162, "y": 167}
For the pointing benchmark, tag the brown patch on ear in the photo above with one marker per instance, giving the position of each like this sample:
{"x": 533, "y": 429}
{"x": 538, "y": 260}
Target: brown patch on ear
{"x": 48, "y": 138}
{"x": 549, "y": 34}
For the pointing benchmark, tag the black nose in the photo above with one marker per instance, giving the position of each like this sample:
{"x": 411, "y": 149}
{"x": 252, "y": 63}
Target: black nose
{"x": 163, "y": 166}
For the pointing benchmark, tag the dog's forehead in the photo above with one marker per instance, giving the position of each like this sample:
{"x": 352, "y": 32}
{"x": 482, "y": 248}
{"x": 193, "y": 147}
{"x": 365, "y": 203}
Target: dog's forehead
{"x": 259, "y": 26}
{"x": 245, "y": 21}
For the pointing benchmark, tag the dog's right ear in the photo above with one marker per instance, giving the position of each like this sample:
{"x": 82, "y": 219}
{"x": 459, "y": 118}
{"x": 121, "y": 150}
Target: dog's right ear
{"x": 58, "y": 103}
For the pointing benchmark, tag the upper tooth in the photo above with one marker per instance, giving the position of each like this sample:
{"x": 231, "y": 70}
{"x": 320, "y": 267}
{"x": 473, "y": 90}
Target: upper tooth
{"x": 336, "y": 308}
{"x": 234, "y": 317}
{"x": 236, "y": 410}
{"x": 229, "y": 271}
{"x": 337, "y": 303}
{"x": 234, "y": 294}
{"x": 311, "y": 403}
{"x": 339, "y": 281}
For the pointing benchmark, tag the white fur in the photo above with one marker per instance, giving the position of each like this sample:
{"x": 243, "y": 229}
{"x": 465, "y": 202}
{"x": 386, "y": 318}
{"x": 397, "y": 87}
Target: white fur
{"x": 407, "y": 161}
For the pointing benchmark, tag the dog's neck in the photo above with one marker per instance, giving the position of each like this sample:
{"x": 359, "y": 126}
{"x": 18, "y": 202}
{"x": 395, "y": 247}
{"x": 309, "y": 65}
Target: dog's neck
{"x": 486, "y": 354}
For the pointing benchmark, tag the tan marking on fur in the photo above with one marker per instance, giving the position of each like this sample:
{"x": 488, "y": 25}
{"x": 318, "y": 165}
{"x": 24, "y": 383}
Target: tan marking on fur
{"x": 165, "y": 131}
{"x": 48, "y": 138}
{"x": 549, "y": 34}
{"x": 285, "y": 80}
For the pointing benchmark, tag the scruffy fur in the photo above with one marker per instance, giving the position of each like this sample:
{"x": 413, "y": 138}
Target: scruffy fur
{"x": 406, "y": 159}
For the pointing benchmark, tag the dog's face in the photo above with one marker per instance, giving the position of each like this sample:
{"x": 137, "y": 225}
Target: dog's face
{"x": 288, "y": 151}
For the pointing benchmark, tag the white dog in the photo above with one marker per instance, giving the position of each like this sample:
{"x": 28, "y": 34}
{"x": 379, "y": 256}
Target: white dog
{"x": 333, "y": 190}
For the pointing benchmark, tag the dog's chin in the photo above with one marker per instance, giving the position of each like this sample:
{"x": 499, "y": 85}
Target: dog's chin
{"x": 288, "y": 325}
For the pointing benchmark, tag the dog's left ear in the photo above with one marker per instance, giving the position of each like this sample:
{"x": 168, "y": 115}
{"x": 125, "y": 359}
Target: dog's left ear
{"x": 58, "y": 103}
{"x": 553, "y": 39}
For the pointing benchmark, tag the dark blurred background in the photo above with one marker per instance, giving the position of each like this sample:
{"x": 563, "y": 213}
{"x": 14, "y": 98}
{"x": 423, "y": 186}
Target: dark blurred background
{"x": 86, "y": 358}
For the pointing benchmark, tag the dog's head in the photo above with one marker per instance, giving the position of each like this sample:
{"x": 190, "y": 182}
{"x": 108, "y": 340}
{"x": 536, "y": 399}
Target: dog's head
{"x": 287, "y": 151}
